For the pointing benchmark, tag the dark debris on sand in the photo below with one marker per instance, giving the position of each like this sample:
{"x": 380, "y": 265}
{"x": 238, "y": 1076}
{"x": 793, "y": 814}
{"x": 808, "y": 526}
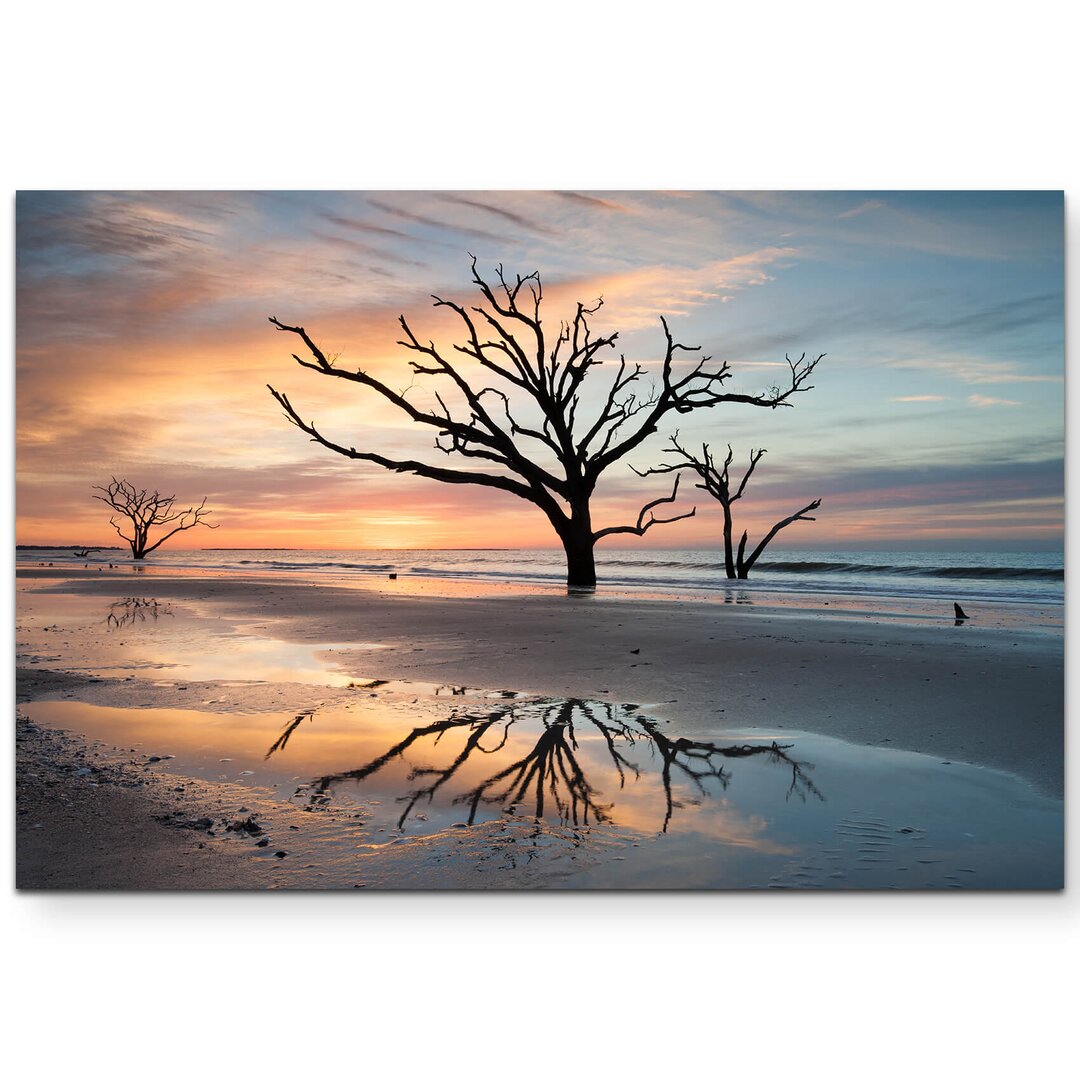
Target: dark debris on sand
{"x": 85, "y": 821}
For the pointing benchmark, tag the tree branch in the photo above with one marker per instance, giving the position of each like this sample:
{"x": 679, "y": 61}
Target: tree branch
{"x": 642, "y": 525}
{"x": 448, "y": 476}
{"x": 800, "y": 515}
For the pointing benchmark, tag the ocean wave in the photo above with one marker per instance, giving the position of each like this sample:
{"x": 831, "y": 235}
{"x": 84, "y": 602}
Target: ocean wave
{"x": 1035, "y": 573}
{"x": 279, "y": 564}
{"x": 513, "y": 574}
{"x": 1040, "y": 573}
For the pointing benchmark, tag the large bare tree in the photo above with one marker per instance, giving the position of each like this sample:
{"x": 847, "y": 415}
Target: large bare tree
{"x": 524, "y": 433}
{"x": 141, "y": 510}
{"x": 717, "y": 481}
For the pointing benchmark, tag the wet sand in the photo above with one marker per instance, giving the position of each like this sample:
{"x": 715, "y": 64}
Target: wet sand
{"x": 83, "y": 822}
{"x": 986, "y": 693}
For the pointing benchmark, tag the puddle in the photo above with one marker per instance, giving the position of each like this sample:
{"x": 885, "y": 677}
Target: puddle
{"x": 401, "y": 786}
{"x": 144, "y": 636}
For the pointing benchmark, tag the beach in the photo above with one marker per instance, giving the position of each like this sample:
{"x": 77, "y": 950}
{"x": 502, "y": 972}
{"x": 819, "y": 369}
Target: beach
{"x": 125, "y": 663}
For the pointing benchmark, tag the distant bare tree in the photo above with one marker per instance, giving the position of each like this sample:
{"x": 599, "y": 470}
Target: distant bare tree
{"x": 717, "y": 482}
{"x": 524, "y": 434}
{"x": 145, "y": 510}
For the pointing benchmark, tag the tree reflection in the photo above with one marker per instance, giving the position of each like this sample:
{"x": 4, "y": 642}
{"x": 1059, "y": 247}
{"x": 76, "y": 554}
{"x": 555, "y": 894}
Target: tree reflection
{"x": 135, "y": 609}
{"x": 286, "y": 733}
{"x": 552, "y": 778}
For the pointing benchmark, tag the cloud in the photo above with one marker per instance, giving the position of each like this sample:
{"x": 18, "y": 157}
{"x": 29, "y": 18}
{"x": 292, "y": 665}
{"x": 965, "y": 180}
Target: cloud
{"x": 360, "y": 247}
{"x": 1005, "y": 327}
{"x": 863, "y": 208}
{"x": 974, "y": 369}
{"x": 356, "y": 225}
{"x": 1045, "y": 309}
{"x": 982, "y": 402}
{"x": 431, "y": 222}
{"x": 990, "y": 226}
{"x": 1007, "y": 341}
{"x": 637, "y": 298}
{"x": 921, "y": 397}
{"x": 595, "y": 202}
{"x": 113, "y": 224}
{"x": 147, "y": 278}
{"x": 507, "y": 215}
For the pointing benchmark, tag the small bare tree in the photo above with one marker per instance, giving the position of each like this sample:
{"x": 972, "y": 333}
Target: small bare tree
{"x": 525, "y": 434}
{"x": 717, "y": 482}
{"x": 145, "y": 510}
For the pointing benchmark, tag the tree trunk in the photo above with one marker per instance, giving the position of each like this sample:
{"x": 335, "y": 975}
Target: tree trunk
{"x": 729, "y": 558}
{"x": 742, "y": 567}
{"x": 580, "y": 562}
{"x": 579, "y": 544}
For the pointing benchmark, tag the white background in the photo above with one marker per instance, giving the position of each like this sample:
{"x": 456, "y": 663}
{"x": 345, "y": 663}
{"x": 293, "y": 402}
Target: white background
{"x": 423, "y": 95}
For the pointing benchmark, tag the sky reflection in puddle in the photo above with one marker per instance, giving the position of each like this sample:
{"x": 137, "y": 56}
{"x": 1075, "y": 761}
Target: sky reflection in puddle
{"x": 137, "y": 635}
{"x": 465, "y": 791}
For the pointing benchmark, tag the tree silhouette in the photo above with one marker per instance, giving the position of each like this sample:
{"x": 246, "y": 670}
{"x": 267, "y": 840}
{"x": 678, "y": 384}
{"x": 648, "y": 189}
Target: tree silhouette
{"x": 524, "y": 434}
{"x": 550, "y": 778}
{"x": 146, "y": 510}
{"x": 717, "y": 482}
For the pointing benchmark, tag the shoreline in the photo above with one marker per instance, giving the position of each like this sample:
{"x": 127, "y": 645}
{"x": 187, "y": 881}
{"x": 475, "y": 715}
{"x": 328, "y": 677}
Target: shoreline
{"x": 1028, "y": 614}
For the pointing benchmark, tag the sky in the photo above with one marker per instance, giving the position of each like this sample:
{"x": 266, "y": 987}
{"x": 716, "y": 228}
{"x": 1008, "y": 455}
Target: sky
{"x": 936, "y": 418}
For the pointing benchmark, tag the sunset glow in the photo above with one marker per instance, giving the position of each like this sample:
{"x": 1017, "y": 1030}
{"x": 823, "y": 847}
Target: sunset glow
{"x": 144, "y": 352}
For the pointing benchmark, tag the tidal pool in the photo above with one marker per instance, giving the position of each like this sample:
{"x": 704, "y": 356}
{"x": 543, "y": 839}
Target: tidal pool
{"x": 140, "y": 636}
{"x": 405, "y": 787}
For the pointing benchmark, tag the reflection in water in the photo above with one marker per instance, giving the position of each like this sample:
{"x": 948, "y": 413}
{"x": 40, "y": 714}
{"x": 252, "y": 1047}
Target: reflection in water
{"x": 135, "y": 609}
{"x": 550, "y": 774}
{"x": 575, "y": 794}
{"x": 226, "y": 656}
{"x": 283, "y": 739}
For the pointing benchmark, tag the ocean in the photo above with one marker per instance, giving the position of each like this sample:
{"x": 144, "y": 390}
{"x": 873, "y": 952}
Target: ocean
{"x": 1000, "y": 576}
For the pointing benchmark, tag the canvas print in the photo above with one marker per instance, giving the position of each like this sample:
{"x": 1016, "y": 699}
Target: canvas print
{"x": 540, "y": 540}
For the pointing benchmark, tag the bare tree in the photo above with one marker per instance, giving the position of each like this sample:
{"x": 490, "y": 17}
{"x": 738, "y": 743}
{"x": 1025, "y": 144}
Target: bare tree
{"x": 145, "y": 510}
{"x": 718, "y": 483}
{"x": 524, "y": 434}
